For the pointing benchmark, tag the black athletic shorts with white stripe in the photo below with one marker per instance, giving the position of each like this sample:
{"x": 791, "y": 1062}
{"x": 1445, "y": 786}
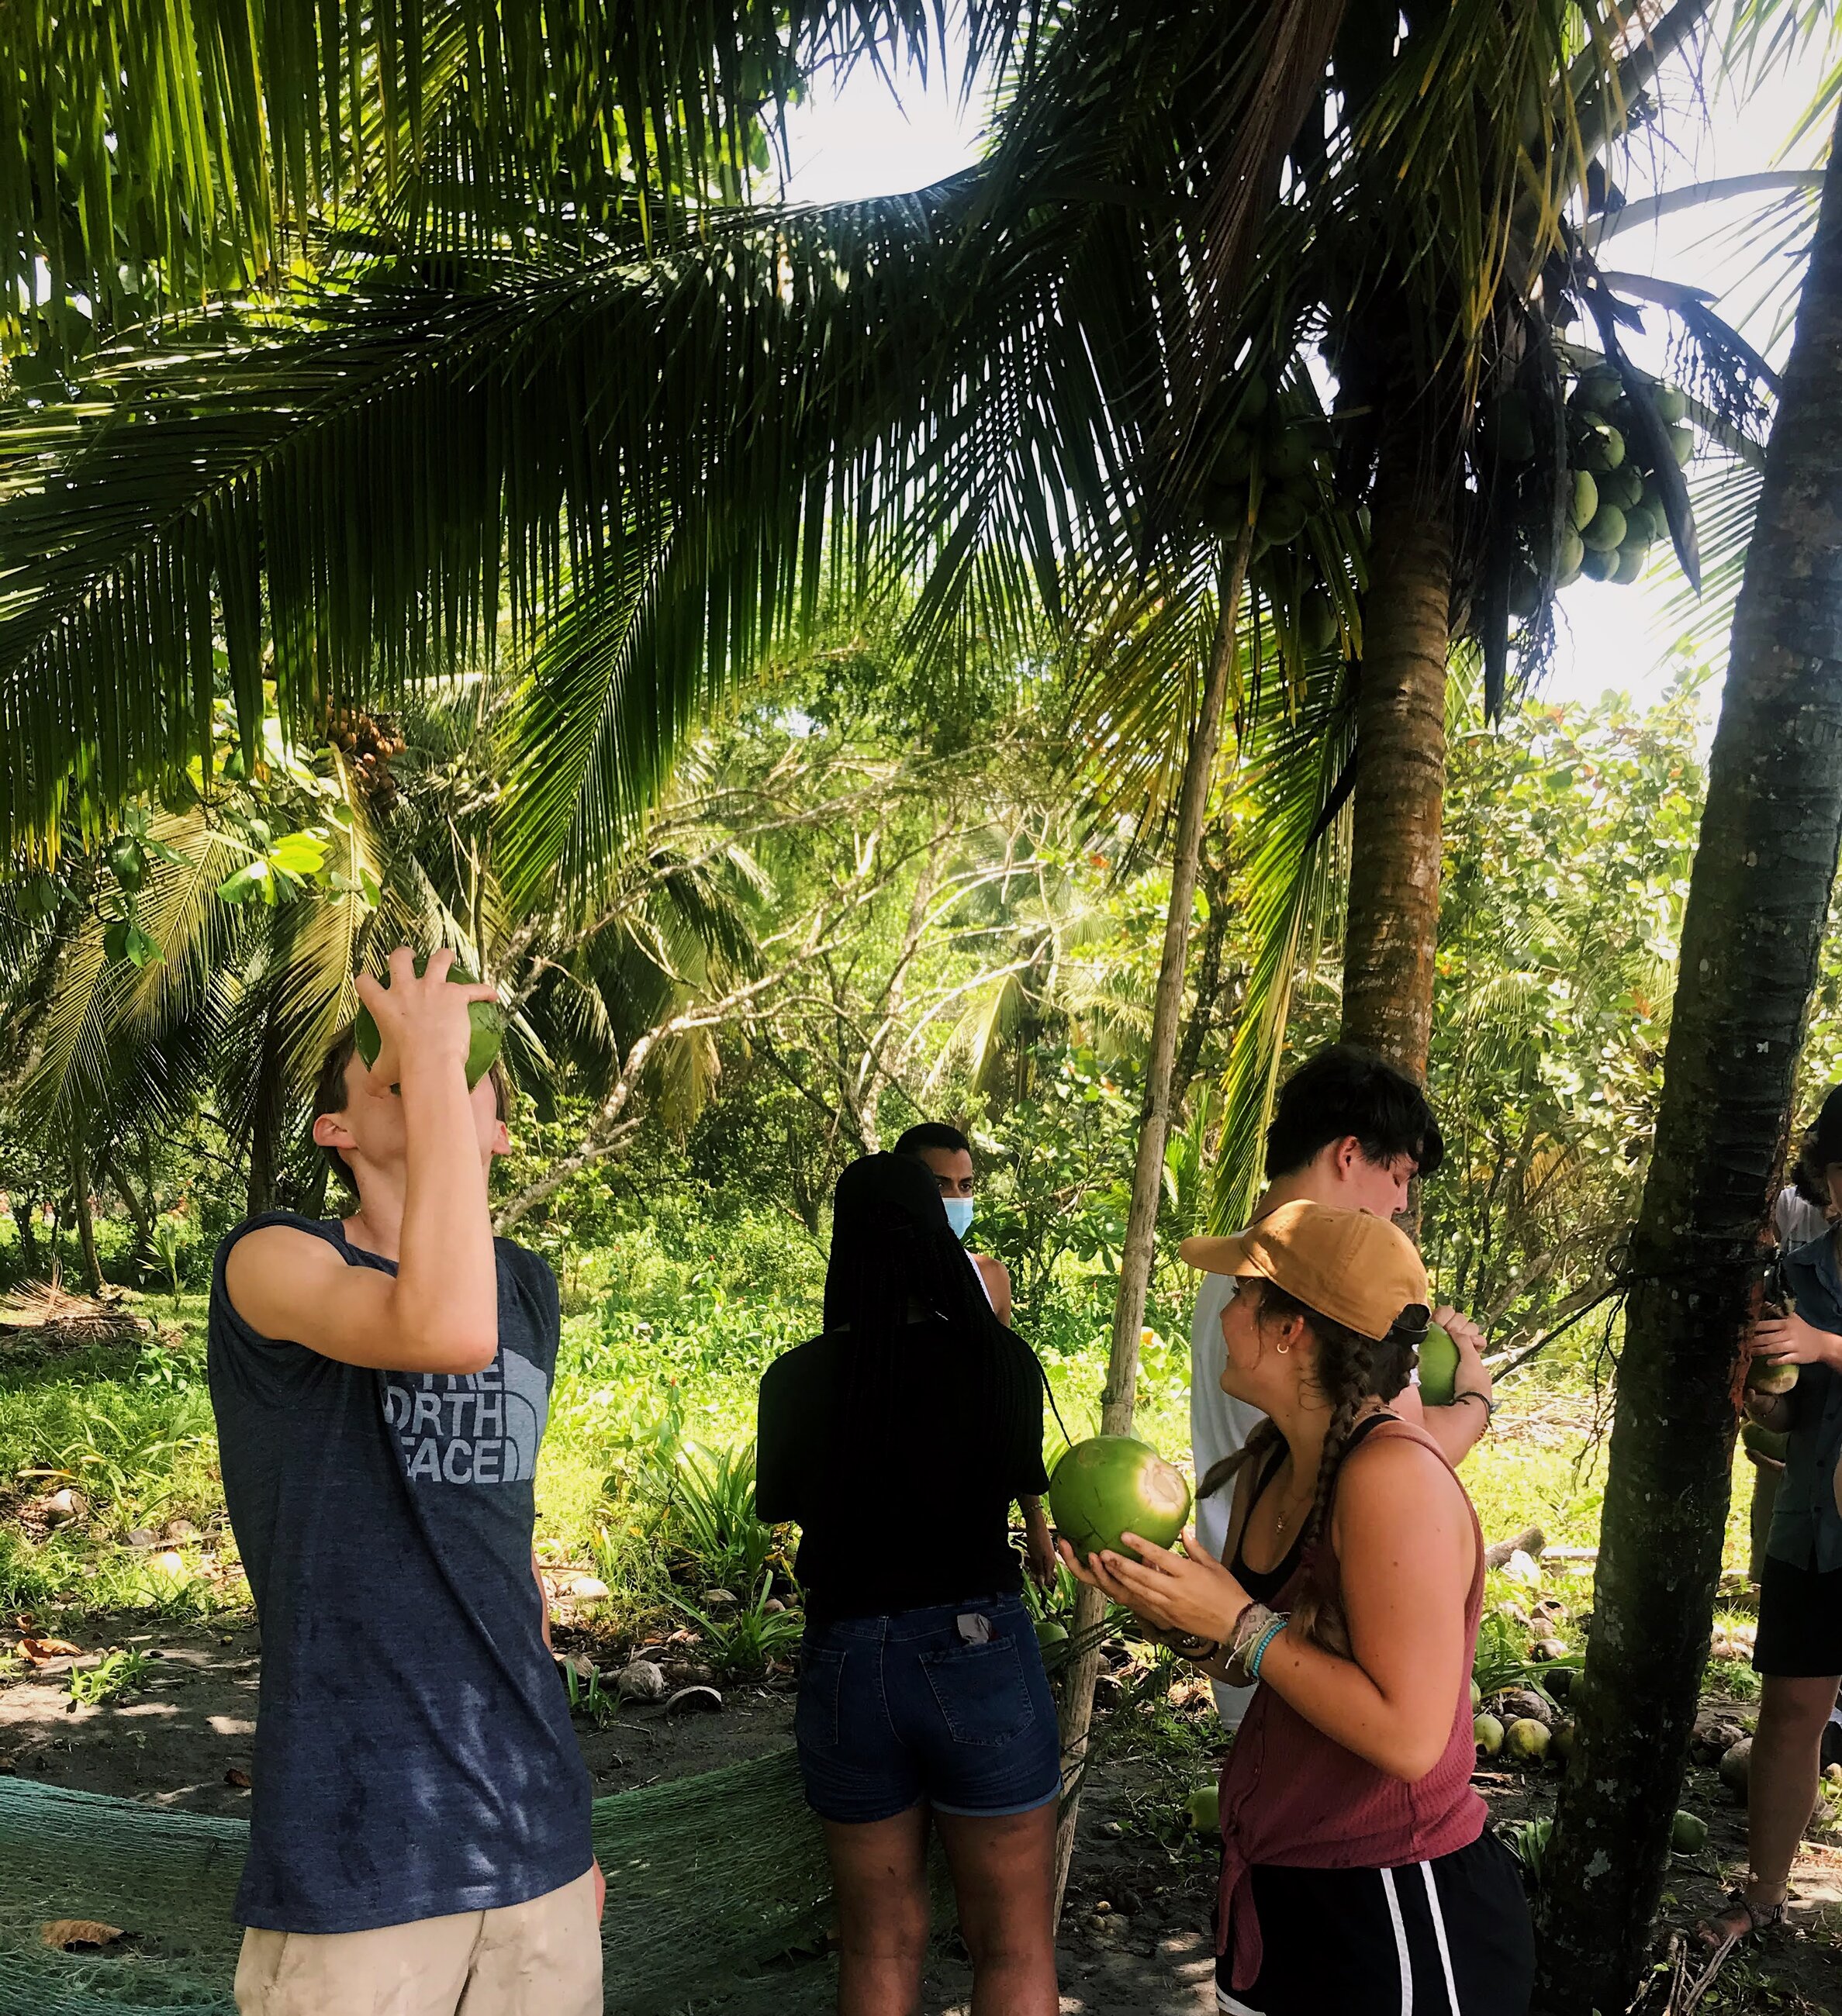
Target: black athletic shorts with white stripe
{"x": 1449, "y": 1938}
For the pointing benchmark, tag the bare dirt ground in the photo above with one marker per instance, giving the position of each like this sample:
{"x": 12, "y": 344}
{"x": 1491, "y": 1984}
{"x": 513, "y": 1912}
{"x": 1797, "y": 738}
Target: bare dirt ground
{"x": 1135, "y": 1936}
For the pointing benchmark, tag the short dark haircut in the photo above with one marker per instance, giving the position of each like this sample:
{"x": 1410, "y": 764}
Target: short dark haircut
{"x": 1345, "y": 1091}
{"x": 331, "y": 1094}
{"x": 931, "y": 1134}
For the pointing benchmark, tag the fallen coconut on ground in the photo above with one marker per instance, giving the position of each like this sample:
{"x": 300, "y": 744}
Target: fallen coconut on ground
{"x": 1526, "y": 1740}
{"x": 1204, "y": 1807}
{"x": 1688, "y": 1834}
{"x": 1487, "y": 1732}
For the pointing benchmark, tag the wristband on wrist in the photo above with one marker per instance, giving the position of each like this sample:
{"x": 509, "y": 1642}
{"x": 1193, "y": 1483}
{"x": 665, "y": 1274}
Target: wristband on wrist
{"x": 1272, "y": 1631}
{"x": 1483, "y": 1399}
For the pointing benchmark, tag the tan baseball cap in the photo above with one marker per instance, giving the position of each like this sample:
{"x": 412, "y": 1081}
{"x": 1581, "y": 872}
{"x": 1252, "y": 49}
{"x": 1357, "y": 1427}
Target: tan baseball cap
{"x": 1359, "y": 1271}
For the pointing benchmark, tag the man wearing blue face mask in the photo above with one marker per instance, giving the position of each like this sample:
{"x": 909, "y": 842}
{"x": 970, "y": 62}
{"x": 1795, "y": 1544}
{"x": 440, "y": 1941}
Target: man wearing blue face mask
{"x": 948, "y": 1152}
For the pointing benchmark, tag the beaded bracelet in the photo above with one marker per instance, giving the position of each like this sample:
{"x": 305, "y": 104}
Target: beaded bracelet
{"x": 1255, "y": 1623}
{"x": 1252, "y": 1661}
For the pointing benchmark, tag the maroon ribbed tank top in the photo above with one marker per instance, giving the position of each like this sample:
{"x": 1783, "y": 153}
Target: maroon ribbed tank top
{"x": 1292, "y": 1796}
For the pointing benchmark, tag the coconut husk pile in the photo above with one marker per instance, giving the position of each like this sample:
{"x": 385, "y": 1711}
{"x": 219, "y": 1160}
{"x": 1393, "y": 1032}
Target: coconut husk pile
{"x": 49, "y": 1318}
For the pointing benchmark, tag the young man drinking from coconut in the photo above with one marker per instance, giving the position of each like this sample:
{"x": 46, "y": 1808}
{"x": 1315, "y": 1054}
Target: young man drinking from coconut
{"x": 1350, "y": 1131}
{"x": 419, "y": 1838}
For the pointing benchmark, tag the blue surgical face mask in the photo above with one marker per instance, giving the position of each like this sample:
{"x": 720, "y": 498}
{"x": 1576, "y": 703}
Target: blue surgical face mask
{"x": 959, "y": 1215}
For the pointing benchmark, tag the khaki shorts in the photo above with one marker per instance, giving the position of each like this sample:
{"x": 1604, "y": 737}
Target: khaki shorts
{"x": 542, "y": 1958}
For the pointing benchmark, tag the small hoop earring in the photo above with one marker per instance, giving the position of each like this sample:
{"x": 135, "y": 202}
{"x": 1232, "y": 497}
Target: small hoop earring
{"x": 1282, "y": 1349}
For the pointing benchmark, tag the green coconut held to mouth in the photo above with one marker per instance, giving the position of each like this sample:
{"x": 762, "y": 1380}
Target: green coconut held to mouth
{"x": 1113, "y": 1484}
{"x": 1439, "y": 1366}
{"x": 486, "y": 1018}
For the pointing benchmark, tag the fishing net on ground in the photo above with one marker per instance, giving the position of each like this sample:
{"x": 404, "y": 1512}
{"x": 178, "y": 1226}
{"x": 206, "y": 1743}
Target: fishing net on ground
{"x": 718, "y": 1897}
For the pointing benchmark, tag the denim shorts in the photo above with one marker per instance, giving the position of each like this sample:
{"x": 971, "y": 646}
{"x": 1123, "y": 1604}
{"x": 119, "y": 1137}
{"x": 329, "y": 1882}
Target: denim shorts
{"x": 895, "y": 1710}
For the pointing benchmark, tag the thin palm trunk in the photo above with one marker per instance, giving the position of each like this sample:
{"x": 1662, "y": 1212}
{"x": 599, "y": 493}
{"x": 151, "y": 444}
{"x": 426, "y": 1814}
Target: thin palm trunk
{"x": 267, "y": 1114}
{"x": 84, "y": 1216}
{"x": 1758, "y": 901}
{"x": 1148, "y": 1175}
{"x": 1400, "y": 805}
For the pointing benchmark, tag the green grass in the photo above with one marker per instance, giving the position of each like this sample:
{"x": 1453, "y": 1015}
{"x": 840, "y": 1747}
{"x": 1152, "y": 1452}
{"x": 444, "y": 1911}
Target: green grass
{"x": 668, "y": 1333}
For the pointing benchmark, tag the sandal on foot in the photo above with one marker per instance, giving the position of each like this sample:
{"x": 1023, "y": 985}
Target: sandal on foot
{"x": 1737, "y": 1920}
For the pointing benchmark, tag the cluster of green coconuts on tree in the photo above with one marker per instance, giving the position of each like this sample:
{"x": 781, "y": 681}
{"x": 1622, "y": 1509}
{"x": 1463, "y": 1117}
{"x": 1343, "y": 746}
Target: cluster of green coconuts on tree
{"x": 1277, "y": 438}
{"x": 1615, "y": 508}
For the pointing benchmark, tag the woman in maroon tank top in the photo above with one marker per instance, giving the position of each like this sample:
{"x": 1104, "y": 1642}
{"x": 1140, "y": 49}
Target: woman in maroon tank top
{"x": 1358, "y": 1875}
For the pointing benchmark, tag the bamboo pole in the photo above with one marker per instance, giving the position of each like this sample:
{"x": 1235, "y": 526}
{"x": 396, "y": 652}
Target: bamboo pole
{"x": 1148, "y": 1175}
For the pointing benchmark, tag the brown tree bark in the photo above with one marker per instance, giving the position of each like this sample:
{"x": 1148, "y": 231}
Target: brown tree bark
{"x": 1758, "y": 902}
{"x": 1399, "y": 815}
{"x": 1117, "y": 1399}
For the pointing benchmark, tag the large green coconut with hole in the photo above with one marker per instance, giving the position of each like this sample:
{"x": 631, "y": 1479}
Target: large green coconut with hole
{"x": 1439, "y": 1366}
{"x": 1113, "y": 1484}
{"x": 486, "y": 1019}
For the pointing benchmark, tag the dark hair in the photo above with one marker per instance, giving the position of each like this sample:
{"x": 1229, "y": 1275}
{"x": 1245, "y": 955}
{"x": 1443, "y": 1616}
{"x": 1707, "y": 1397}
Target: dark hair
{"x": 332, "y": 1095}
{"x": 891, "y": 1247}
{"x": 1345, "y": 1091}
{"x": 1819, "y": 1146}
{"x": 931, "y": 1134}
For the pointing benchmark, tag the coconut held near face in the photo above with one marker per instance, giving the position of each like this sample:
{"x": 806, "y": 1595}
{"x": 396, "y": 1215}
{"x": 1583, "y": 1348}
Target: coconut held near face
{"x": 486, "y": 1020}
{"x": 1113, "y": 1484}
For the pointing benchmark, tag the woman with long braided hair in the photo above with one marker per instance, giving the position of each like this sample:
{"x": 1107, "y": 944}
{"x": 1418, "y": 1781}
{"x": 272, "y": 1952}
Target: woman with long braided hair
{"x": 1356, "y": 1873}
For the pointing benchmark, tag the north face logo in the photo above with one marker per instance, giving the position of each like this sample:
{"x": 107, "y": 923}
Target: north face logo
{"x": 470, "y": 1427}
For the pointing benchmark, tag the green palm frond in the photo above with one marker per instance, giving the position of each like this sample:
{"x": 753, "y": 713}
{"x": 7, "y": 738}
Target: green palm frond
{"x": 152, "y": 156}
{"x": 1291, "y": 798}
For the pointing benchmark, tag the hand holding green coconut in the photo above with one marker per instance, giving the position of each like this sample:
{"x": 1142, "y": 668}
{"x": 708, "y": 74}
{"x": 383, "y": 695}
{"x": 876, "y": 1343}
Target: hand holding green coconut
{"x": 1787, "y": 1341}
{"x": 1192, "y": 1593}
{"x": 426, "y": 1021}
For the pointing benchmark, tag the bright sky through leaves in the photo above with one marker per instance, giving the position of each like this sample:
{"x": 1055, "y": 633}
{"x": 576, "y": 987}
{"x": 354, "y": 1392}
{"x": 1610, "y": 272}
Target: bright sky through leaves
{"x": 850, "y": 139}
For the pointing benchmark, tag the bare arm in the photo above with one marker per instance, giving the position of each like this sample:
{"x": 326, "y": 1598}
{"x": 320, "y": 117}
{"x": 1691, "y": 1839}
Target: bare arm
{"x": 440, "y": 1312}
{"x": 1406, "y": 1553}
{"x": 997, "y": 1277}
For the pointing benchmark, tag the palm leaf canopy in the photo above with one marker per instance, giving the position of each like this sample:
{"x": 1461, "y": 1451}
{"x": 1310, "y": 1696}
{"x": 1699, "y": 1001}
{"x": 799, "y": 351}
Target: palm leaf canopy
{"x": 644, "y": 438}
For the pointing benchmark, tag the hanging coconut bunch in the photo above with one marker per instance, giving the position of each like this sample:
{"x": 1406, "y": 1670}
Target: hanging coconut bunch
{"x": 369, "y": 743}
{"x": 1617, "y": 511}
{"x": 1268, "y": 457}
{"x": 1612, "y": 488}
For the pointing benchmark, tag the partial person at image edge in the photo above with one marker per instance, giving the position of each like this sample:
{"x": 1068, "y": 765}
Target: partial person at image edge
{"x": 898, "y": 1440}
{"x": 1349, "y": 1130}
{"x": 1797, "y": 1651}
{"x": 419, "y": 1830}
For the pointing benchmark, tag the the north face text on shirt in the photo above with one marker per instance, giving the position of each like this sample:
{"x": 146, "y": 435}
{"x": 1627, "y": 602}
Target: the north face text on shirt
{"x": 470, "y": 1427}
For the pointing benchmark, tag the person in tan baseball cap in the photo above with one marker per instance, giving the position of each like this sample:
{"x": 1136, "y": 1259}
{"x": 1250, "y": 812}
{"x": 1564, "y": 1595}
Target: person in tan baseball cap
{"x": 1348, "y": 1596}
{"x": 1360, "y": 1271}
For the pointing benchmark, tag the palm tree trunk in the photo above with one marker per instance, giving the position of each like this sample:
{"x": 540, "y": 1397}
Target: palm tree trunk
{"x": 86, "y": 1227}
{"x": 267, "y": 1114}
{"x": 1758, "y": 902}
{"x": 1148, "y": 1175}
{"x": 1393, "y": 926}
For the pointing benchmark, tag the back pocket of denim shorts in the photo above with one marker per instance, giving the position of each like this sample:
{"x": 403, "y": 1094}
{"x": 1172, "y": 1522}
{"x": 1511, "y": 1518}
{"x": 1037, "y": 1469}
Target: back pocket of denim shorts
{"x": 981, "y": 1691}
{"x": 821, "y": 1681}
